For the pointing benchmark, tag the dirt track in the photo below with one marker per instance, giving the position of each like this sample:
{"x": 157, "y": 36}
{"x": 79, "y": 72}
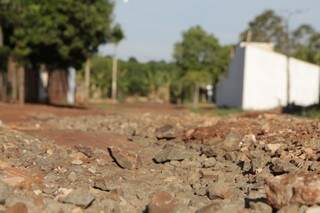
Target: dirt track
{"x": 155, "y": 158}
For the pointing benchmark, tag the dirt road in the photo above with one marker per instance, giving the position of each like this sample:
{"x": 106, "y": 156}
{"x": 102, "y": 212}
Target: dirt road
{"x": 156, "y": 158}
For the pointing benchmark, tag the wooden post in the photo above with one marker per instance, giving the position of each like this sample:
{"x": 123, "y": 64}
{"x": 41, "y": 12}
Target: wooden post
{"x": 12, "y": 79}
{"x": 1, "y": 36}
{"x": 114, "y": 76}
{"x": 21, "y": 74}
{"x": 196, "y": 96}
{"x": 87, "y": 79}
{"x": 57, "y": 87}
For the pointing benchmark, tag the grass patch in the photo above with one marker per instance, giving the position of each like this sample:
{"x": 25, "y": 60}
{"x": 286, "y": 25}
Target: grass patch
{"x": 310, "y": 111}
{"x": 212, "y": 110}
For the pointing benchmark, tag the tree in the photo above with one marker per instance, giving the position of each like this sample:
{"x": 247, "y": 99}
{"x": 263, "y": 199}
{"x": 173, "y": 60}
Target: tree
{"x": 306, "y": 44}
{"x": 116, "y": 36}
{"x": 200, "y": 58}
{"x": 266, "y": 27}
{"x": 65, "y": 33}
{"x": 14, "y": 29}
{"x": 102, "y": 74}
{"x": 303, "y": 43}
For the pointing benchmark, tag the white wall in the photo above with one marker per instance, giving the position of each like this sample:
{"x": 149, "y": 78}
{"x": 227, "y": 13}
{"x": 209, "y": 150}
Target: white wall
{"x": 265, "y": 79}
{"x": 229, "y": 89}
{"x": 304, "y": 79}
{"x": 257, "y": 80}
{"x": 71, "y": 86}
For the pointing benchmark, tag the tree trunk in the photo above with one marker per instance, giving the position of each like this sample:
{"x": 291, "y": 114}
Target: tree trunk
{"x": 57, "y": 87}
{"x": 114, "y": 76}
{"x": 87, "y": 79}
{"x": 21, "y": 84}
{"x": 2, "y": 78}
{"x": 12, "y": 79}
{"x": 196, "y": 96}
{"x": 3, "y": 86}
{"x": 288, "y": 81}
{"x": 1, "y": 37}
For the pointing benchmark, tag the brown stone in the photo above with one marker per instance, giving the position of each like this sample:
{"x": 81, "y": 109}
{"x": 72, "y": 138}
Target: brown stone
{"x": 162, "y": 202}
{"x": 125, "y": 159}
{"x": 300, "y": 188}
{"x": 18, "y": 208}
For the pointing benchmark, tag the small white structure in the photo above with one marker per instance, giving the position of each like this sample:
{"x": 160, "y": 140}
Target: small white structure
{"x": 257, "y": 80}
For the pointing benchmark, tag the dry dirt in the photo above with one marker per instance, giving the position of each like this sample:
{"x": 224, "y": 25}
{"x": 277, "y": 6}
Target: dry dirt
{"x": 156, "y": 158}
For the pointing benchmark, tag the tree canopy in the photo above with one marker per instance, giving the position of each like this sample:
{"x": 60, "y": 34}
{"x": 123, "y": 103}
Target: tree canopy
{"x": 59, "y": 33}
{"x": 200, "y": 58}
{"x": 303, "y": 42}
{"x": 266, "y": 27}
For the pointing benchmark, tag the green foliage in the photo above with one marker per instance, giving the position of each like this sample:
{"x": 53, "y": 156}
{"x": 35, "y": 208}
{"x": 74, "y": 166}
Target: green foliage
{"x": 200, "y": 59}
{"x": 304, "y": 42}
{"x": 116, "y": 34}
{"x": 135, "y": 78}
{"x": 267, "y": 27}
{"x": 59, "y": 33}
{"x": 101, "y": 73}
{"x": 144, "y": 78}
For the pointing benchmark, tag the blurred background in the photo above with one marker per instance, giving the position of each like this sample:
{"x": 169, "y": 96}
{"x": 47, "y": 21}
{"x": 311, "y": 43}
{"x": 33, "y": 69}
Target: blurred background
{"x": 73, "y": 52}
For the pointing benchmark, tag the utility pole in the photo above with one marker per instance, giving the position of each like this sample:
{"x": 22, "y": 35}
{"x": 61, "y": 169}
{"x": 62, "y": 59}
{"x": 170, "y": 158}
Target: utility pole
{"x": 288, "y": 46}
{"x": 114, "y": 75}
{"x": 87, "y": 74}
{"x": 289, "y": 15}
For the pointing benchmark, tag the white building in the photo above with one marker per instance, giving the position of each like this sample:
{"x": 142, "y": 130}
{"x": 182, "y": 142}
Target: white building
{"x": 257, "y": 80}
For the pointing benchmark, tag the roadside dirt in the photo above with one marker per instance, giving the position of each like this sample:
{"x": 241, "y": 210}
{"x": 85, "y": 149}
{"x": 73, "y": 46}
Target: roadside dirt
{"x": 156, "y": 158}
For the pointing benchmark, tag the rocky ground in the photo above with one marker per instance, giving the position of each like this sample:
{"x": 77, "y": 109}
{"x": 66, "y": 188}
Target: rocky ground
{"x": 134, "y": 159}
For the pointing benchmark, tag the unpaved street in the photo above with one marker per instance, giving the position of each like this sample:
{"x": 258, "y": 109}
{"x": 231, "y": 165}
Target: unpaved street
{"x": 156, "y": 158}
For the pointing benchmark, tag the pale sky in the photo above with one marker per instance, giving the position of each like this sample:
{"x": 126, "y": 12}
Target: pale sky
{"x": 153, "y": 26}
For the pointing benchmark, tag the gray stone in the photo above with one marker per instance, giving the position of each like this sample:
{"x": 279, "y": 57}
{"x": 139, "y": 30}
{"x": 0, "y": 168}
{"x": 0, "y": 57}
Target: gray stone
{"x": 5, "y": 192}
{"x": 166, "y": 132}
{"x": 211, "y": 208}
{"x": 260, "y": 207}
{"x": 125, "y": 159}
{"x": 223, "y": 207}
{"x": 231, "y": 142}
{"x": 72, "y": 176}
{"x": 105, "y": 184}
{"x": 162, "y": 202}
{"x": 222, "y": 190}
{"x": 172, "y": 153}
{"x": 79, "y": 197}
{"x": 199, "y": 189}
{"x": 209, "y": 162}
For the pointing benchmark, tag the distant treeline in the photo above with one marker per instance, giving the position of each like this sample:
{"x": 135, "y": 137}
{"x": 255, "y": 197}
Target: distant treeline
{"x": 57, "y": 35}
{"x": 199, "y": 59}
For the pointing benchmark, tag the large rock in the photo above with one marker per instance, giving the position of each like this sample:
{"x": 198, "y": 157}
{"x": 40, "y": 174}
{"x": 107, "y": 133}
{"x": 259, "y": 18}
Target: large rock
{"x": 231, "y": 142}
{"x": 173, "y": 153}
{"x": 87, "y": 151}
{"x": 166, "y": 132}
{"x": 300, "y": 188}
{"x": 79, "y": 197}
{"x": 162, "y": 202}
{"x": 222, "y": 190}
{"x": 18, "y": 208}
{"x": 224, "y": 207}
{"x": 105, "y": 184}
{"x": 314, "y": 209}
{"x": 260, "y": 207}
{"x": 125, "y": 159}
{"x": 293, "y": 208}
{"x": 5, "y": 192}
